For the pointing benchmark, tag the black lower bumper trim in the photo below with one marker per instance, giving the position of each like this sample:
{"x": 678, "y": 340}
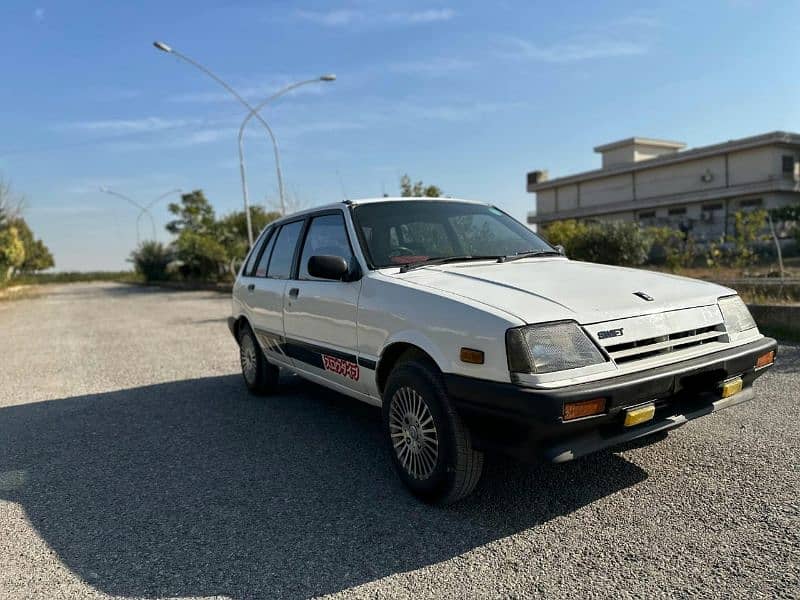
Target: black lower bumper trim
{"x": 595, "y": 440}
{"x": 528, "y": 421}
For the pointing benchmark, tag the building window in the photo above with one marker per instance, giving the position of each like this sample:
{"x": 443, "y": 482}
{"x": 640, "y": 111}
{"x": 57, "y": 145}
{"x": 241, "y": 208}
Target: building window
{"x": 712, "y": 213}
{"x": 787, "y": 162}
{"x": 752, "y": 203}
{"x": 647, "y": 218}
{"x": 677, "y": 212}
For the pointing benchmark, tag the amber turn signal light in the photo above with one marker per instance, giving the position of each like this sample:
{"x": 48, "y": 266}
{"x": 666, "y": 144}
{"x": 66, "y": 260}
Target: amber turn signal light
{"x": 468, "y": 355}
{"x": 765, "y": 360}
{"x": 585, "y": 408}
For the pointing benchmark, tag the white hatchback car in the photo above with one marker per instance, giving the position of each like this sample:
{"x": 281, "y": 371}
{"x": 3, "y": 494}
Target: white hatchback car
{"x": 474, "y": 334}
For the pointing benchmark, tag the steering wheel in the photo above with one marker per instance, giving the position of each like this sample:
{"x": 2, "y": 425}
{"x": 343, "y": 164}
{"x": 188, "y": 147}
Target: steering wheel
{"x": 402, "y": 251}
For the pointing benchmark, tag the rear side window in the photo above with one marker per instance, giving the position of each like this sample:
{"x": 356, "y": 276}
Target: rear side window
{"x": 326, "y": 236}
{"x": 280, "y": 265}
{"x": 261, "y": 269}
{"x": 251, "y": 258}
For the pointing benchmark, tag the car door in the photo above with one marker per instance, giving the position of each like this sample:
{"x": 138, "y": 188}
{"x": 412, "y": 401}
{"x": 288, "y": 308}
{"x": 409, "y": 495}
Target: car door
{"x": 320, "y": 315}
{"x": 267, "y": 289}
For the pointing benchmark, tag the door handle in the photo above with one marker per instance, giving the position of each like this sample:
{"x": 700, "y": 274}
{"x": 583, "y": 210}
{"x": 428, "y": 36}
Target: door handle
{"x": 294, "y": 292}
{"x": 251, "y": 287}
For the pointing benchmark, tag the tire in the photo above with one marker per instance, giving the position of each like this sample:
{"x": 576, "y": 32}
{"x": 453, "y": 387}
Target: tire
{"x": 417, "y": 411}
{"x": 260, "y": 377}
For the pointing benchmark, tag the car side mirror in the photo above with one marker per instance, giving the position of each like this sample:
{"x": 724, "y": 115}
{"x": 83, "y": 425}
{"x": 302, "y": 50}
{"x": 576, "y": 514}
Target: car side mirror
{"x": 325, "y": 266}
{"x": 561, "y": 250}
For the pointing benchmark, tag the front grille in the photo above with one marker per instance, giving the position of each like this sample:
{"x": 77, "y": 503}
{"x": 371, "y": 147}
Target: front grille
{"x": 681, "y": 340}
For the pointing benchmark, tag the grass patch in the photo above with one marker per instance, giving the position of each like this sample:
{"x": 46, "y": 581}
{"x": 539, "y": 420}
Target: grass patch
{"x": 73, "y": 277}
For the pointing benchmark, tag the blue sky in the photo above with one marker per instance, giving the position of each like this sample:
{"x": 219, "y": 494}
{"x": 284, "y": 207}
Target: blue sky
{"x": 469, "y": 96}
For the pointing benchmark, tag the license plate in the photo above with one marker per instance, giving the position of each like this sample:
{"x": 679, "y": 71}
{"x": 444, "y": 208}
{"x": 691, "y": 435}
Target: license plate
{"x": 731, "y": 387}
{"x": 634, "y": 416}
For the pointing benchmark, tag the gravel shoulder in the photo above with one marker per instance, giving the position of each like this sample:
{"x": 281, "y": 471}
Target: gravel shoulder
{"x": 134, "y": 464}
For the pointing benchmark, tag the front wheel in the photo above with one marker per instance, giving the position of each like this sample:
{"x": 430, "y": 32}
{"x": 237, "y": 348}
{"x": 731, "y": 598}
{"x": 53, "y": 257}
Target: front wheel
{"x": 430, "y": 446}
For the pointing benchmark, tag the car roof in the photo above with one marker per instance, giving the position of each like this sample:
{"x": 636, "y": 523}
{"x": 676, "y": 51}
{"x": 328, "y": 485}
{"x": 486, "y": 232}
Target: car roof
{"x": 407, "y": 199}
{"x": 360, "y": 201}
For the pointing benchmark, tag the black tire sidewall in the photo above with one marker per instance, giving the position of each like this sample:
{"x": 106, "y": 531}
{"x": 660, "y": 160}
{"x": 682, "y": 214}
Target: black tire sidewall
{"x": 422, "y": 380}
{"x": 266, "y": 374}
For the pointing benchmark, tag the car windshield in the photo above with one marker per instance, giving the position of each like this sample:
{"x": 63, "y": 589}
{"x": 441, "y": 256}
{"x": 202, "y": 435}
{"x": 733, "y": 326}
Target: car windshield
{"x": 399, "y": 233}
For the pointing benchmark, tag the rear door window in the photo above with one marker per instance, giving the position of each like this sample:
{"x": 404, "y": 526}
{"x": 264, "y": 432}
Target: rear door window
{"x": 280, "y": 264}
{"x": 261, "y": 269}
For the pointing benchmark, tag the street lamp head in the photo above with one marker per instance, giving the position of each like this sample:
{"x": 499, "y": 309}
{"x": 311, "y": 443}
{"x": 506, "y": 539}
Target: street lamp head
{"x": 328, "y": 77}
{"x": 162, "y": 46}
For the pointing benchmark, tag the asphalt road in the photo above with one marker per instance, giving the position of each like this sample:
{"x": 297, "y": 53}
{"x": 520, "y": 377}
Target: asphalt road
{"x": 134, "y": 464}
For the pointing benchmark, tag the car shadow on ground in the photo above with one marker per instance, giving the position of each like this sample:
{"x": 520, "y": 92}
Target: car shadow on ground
{"x": 195, "y": 488}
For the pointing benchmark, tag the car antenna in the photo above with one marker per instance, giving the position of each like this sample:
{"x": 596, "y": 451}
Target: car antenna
{"x": 341, "y": 183}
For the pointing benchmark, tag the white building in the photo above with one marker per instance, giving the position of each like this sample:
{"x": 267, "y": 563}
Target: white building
{"x": 657, "y": 182}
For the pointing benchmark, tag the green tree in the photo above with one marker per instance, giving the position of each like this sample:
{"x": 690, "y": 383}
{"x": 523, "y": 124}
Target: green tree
{"x": 37, "y": 256}
{"x": 790, "y": 215}
{"x": 566, "y": 233}
{"x": 12, "y": 251}
{"x": 231, "y": 230}
{"x": 677, "y": 249}
{"x": 418, "y": 189}
{"x": 151, "y": 260}
{"x": 201, "y": 255}
{"x": 194, "y": 213}
{"x": 748, "y": 229}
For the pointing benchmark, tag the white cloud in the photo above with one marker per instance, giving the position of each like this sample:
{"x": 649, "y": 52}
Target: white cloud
{"x": 642, "y": 21}
{"x": 434, "y": 66}
{"x": 142, "y": 125}
{"x": 331, "y": 18}
{"x": 347, "y": 17}
{"x": 572, "y": 51}
{"x": 38, "y": 15}
{"x": 252, "y": 92}
{"x": 422, "y": 16}
{"x": 466, "y": 111}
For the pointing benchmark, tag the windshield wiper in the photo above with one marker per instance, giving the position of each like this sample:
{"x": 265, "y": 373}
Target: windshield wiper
{"x": 510, "y": 257}
{"x": 441, "y": 261}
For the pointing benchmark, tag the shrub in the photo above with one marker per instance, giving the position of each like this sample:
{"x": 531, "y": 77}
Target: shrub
{"x": 566, "y": 233}
{"x": 150, "y": 260}
{"x": 747, "y": 231}
{"x": 12, "y": 251}
{"x": 623, "y": 244}
{"x": 202, "y": 257}
{"x": 671, "y": 246}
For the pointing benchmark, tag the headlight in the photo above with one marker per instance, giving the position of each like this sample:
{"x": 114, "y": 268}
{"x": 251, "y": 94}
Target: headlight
{"x": 735, "y": 314}
{"x": 550, "y": 347}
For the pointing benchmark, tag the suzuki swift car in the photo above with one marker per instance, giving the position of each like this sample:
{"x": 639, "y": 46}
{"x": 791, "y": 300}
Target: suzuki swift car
{"x": 474, "y": 334}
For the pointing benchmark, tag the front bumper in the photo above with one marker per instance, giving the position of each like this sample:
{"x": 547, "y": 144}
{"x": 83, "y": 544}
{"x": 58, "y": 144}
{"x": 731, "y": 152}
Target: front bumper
{"x": 527, "y": 422}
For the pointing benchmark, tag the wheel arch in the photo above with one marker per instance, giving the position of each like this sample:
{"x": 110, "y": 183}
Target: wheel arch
{"x": 237, "y": 324}
{"x": 402, "y": 350}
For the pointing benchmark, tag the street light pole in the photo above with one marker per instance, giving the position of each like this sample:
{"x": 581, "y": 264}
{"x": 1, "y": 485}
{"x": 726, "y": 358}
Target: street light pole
{"x": 143, "y": 208}
{"x": 147, "y": 208}
{"x": 169, "y": 50}
{"x": 242, "y": 171}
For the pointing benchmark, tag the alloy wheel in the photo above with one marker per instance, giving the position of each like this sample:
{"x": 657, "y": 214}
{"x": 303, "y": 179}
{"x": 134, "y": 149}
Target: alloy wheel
{"x": 249, "y": 358}
{"x": 413, "y": 433}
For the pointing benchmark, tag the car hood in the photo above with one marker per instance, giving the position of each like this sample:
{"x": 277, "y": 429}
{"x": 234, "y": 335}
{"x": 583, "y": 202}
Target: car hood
{"x": 548, "y": 289}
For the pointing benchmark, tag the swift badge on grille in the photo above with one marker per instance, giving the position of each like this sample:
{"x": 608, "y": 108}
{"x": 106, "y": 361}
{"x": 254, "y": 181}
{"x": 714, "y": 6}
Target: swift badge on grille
{"x": 603, "y": 335}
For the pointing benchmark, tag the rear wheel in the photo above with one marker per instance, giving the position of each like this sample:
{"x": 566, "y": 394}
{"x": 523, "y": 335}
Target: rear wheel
{"x": 430, "y": 446}
{"x": 260, "y": 376}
